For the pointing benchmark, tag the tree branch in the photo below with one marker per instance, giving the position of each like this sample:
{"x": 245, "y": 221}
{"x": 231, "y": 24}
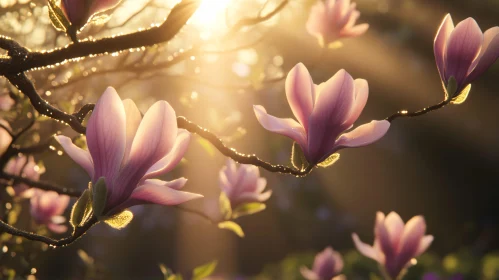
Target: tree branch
{"x": 46, "y": 186}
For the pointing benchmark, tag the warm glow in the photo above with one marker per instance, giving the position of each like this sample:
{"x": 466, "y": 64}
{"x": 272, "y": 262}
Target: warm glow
{"x": 211, "y": 13}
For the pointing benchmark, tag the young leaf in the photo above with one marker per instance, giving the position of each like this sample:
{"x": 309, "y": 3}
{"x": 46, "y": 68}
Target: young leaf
{"x": 230, "y": 225}
{"x": 204, "y": 271}
{"x": 120, "y": 220}
{"x": 175, "y": 277}
{"x": 57, "y": 17}
{"x": 451, "y": 87}
{"x": 297, "y": 157}
{"x": 462, "y": 96}
{"x": 224, "y": 204}
{"x": 330, "y": 160}
{"x": 248, "y": 209}
{"x": 99, "y": 196}
{"x": 81, "y": 209}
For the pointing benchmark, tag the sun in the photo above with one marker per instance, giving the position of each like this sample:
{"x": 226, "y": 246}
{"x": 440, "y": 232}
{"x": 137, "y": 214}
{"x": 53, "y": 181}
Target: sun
{"x": 211, "y": 13}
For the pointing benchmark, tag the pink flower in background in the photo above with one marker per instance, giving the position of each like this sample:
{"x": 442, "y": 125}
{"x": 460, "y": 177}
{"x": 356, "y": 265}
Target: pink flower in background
{"x": 129, "y": 150}
{"x": 6, "y": 102}
{"x": 464, "y": 52}
{"x": 324, "y": 113}
{"x": 243, "y": 184}
{"x": 79, "y": 12}
{"x": 47, "y": 208}
{"x": 328, "y": 264}
{"x": 331, "y": 20}
{"x": 395, "y": 244}
{"x": 26, "y": 167}
{"x": 5, "y": 137}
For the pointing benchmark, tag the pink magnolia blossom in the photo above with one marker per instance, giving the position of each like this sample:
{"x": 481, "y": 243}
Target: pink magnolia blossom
{"x": 464, "y": 52}
{"x": 47, "y": 208}
{"x": 324, "y": 113}
{"x": 128, "y": 150}
{"x": 26, "y": 167}
{"x": 79, "y": 12}
{"x": 5, "y": 137}
{"x": 243, "y": 184}
{"x": 328, "y": 264}
{"x": 6, "y": 102}
{"x": 395, "y": 244}
{"x": 331, "y": 20}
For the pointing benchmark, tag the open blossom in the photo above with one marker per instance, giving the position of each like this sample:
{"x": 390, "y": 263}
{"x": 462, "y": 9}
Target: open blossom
{"x": 6, "y": 102}
{"x": 331, "y": 20}
{"x": 395, "y": 244}
{"x": 47, "y": 208}
{"x": 26, "y": 167}
{"x": 324, "y": 113}
{"x": 328, "y": 264}
{"x": 128, "y": 150}
{"x": 79, "y": 12}
{"x": 243, "y": 184}
{"x": 464, "y": 52}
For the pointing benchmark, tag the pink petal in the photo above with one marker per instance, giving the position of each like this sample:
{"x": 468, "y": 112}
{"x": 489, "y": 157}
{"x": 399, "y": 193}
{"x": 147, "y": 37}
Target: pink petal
{"x": 308, "y": 274}
{"x": 286, "y": 127}
{"x": 166, "y": 193}
{"x": 133, "y": 118}
{"x": 395, "y": 226}
{"x": 261, "y": 184}
{"x": 300, "y": 91}
{"x": 440, "y": 43}
{"x": 424, "y": 245}
{"x": 5, "y": 137}
{"x": 364, "y": 249}
{"x": 106, "y": 132}
{"x": 363, "y": 135}
{"x": 317, "y": 21}
{"x": 172, "y": 159}
{"x": 463, "y": 46}
{"x": 57, "y": 228}
{"x": 333, "y": 103}
{"x": 488, "y": 54}
{"x": 80, "y": 156}
{"x": 411, "y": 238}
{"x": 155, "y": 136}
{"x": 340, "y": 10}
{"x": 355, "y": 31}
{"x": 361, "y": 94}
{"x": 385, "y": 241}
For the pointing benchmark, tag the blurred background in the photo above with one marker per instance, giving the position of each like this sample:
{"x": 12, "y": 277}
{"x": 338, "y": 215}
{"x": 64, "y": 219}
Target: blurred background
{"x": 443, "y": 165}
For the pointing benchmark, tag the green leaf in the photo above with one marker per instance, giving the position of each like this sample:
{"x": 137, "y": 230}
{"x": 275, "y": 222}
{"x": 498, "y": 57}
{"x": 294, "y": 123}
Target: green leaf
{"x": 175, "y": 277}
{"x": 248, "y": 209}
{"x": 230, "y": 225}
{"x": 204, "y": 271}
{"x": 224, "y": 204}
{"x": 297, "y": 157}
{"x": 120, "y": 220}
{"x": 99, "y": 196}
{"x": 462, "y": 96}
{"x": 57, "y": 17}
{"x": 81, "y": 209}
{"x": 330, "y": 160}
{"x": 451, "y": 87}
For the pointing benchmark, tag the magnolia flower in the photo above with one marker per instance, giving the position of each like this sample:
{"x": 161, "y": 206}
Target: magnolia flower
{"x": 464, "y": 52}
{"x": 5, "y": 137}
{"x": 128, "y": 150}
{"x": 79, "y": 12}
{"x": 324, "y": 113}
{"x": 47, "y": 208}
{"x": 331, "y": 20}
{"x": 327, "y": 266}
{"x": 395, "y": 244}
{"x": 243, "y": 184}
{"x": 6, "y": 102}
{"x": 23, "y": 166}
